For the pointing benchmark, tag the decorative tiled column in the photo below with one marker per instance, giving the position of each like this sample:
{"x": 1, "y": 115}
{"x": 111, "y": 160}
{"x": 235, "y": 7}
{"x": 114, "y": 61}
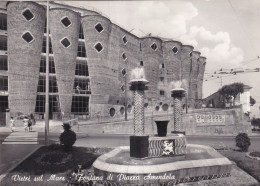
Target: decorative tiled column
{"x": 139, "y": 142}
{"x": 177, "y": 95}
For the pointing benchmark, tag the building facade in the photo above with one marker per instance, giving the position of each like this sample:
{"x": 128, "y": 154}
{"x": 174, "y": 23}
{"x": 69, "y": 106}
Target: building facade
{"x": 91, "y": 60}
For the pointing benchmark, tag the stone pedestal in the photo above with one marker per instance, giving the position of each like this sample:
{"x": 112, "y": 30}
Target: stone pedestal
{"x": 139, "y": 146}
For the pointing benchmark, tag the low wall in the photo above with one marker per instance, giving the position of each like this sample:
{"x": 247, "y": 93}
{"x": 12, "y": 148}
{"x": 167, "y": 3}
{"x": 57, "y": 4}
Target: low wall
{"x": 220, "y": 122}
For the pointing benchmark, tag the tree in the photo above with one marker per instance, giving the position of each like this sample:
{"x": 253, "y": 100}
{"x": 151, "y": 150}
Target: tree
{"x": 236, "y": 88}
{"x": 252, "y": 101}
{"x": 232, "y": 90}
{"x": 225, "y": 92}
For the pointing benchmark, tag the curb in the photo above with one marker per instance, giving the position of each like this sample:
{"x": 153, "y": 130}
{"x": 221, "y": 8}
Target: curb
{"x": 14, "y": 166}
{"x": 252, "y": 157}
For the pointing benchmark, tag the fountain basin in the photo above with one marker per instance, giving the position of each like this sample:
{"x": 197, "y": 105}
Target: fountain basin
{"x": 200, "y": 162}
{"x": 162, "y": 127}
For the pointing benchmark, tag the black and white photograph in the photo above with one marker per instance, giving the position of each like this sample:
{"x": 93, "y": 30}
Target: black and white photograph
{"x": 130, "y": 93}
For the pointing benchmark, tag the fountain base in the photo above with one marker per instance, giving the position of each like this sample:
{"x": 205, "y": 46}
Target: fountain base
{"x": 200, "y": 162}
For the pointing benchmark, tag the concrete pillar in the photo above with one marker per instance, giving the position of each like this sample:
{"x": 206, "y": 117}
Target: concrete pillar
{"x": 152, "y": 58}
{"x": 193, "y": 90}
{"x": 186, "y": 54}
{"x": 64, "y": 29}
{"x": 25, "y": 22}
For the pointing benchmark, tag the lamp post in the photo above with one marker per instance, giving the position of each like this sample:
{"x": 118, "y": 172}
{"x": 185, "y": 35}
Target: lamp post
{"x": 47, "y": 79}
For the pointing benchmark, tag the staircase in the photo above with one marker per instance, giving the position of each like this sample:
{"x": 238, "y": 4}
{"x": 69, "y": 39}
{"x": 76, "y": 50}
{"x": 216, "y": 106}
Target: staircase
{"x": 22, "y": 138}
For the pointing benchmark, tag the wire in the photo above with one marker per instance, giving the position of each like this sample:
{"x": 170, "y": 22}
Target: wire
{"x": 247, "y": 35}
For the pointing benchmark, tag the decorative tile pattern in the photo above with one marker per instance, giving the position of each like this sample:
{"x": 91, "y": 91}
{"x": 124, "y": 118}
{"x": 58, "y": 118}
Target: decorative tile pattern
{"x": 138, "y": 112}
{"x": 161, "y": 146}
{"x": 178, "y": 126}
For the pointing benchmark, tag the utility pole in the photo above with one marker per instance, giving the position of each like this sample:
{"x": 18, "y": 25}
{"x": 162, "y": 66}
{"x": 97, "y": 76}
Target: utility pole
{"x": 47, "y": 80}
{"x": 126, "y": 92}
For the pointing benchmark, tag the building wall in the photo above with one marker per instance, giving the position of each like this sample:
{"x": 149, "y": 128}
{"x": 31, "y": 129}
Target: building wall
{"x": 234, "y": 122}
{"x": 202, "y": 64}
{"x": 24, "y": 57}
{"x": 65, "y": 57}
{"x": 119, "y": 50}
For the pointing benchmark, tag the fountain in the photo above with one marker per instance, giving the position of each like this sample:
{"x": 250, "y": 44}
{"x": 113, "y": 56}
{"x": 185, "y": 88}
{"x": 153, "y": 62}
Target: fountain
{"x": 159, "y": 159}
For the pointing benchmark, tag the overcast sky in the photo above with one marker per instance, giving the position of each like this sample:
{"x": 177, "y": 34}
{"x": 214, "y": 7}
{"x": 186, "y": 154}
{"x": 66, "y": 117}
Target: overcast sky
{"x": 224, "y": 31}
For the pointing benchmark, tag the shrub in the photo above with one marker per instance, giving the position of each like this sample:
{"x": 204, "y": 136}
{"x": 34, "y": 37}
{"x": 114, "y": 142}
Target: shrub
{"x": 68, "y": 137}
{"x": 243, "y": 141}
{"x": 255, "y": 154}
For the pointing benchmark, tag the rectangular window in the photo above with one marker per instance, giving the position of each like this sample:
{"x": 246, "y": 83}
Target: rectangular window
{"x": 3, "y": 63}
{"x": 81, "y": 86}
{"x": 80, "y": 104}
{"x": 3, "y": 21}
{"x": 161, "y": 92}
{"x": 81, "y": 35}
{"x": 3, "y": 43}
{"x": 3, "y": 103}
{"x": 44, "y": 46}
{"x": 40, "y": 103}
{"x": 81, "y": 68}
{"x": 3, "y": 83}
{"x": 53, "y": 87}
{"x": 81, "y": 50}
{"x": 43, "y": 65}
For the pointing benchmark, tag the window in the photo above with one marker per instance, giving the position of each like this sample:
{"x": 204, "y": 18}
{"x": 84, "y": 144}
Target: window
{"x": 161, "y": 92}
{"x": 99, "y": 27}
{"x": 44, "y": 46}
{"x": 43, "y": 65}
{"x": 112, "y": 112}
{"x": 123, "y": 88}
{"x": 165, "y": 107}
{"x": 175, "y": 50}
{"x": 81, "y": 68}
{"x": 81, "y": 35}
{"x": 154, "y": 46}
{"x": 81, "y": 50}
{"x": 80, "y": 104}
{"x": 3, "y": 83}
{"x": 3, "y": 103}
{"x": 162, "y": 65}
{"x": 3, "y": 63}
{"x": 3, "y": 43}
{"x": 161, "y": 78}
{"x": 122, "y": 110}
{"x": 123, "y": 71}
{"x": 141, "y": 63}
{"x": 66, "y": 22}
{"x": 190, "y": 54}
{"x": 65, "y": 42}
{"x": 28, "y": 15}
{"x": 125, "y": 40}
{"x": 40, "y": 103}
{"x": 53, "y": 87}
{"x": 98, "y": 47}
{"x": 3, "y": 21}
{"x": 54, "y": 103}
{"x": 28, "y": 37}
{"x": 124, "y": 56}
{"x": 81, "y": 86}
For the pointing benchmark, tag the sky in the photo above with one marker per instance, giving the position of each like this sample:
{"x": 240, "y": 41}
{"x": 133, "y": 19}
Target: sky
{"x": 226, "y": 32}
